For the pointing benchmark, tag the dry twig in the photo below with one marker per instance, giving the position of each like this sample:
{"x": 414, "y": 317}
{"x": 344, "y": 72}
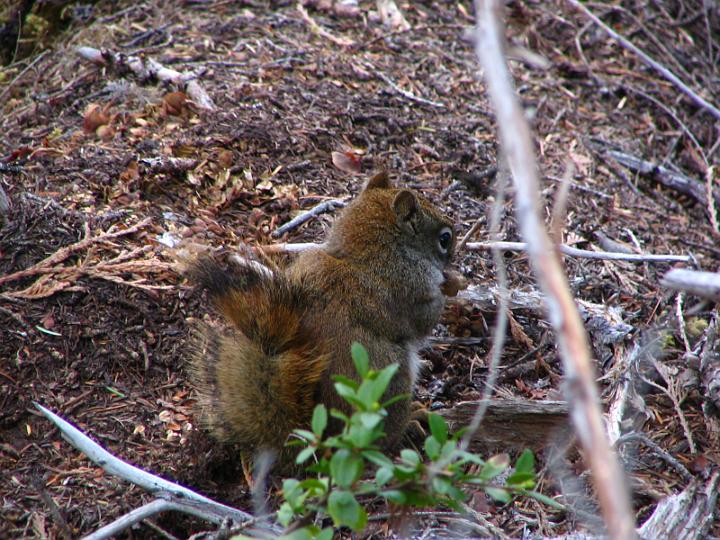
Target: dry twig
{"x": 173, "y": 496}
{"x": 325, "y": 206}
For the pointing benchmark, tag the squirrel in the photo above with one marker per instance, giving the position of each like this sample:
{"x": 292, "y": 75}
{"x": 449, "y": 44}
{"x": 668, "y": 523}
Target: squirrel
{"x": 380, "y": 279}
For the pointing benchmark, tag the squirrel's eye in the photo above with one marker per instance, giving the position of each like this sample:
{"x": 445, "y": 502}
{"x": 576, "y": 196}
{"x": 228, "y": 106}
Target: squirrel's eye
{"x": 444, "y": 240}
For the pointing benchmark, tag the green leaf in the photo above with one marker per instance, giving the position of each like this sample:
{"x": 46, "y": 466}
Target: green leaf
{"x": 299, "y": 534}
{"x": 395, "y": 399}
{"x": 394, "y": 496}
{"x": 432, "y": 448}
{"x": 377, "y": 458}
{"x": 315, "y": 485}
{"x": 472, "y": 458}
{"x": 438, "y": 427}
{"x": 291, "y": 491}
{"x": 441, "y": 485}
{"x": 383, "y": 476}
{"x": 346, "y": 468}
{"x": 349, "y": 395}
{"x": 304, "y": 434}
{"x": 325, "y": 534}
{"x": 347, "y": 381}
{"x": 285, "y": 514}
{"x": 494, "y": 466}
{"x": 383, "y": 380}
{"x": 360, "y": 437}
{"x": 410, "y": 457}
{"x": 448, "y": 449}
{"x": 346, "y": 511}
{"x": 319, "y": 420}
{"x": 360, "y": 358}
{"x": 304, "y": 455}
{"x": 499, "y": 494}
{"x": 523, "y": 480}
{"x": 526, "y": 462}
{"x": 340, "y": 416}
{"x": 369, "y": 420}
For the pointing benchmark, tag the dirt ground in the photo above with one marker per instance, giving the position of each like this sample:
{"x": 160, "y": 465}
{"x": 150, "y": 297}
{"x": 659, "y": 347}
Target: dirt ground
{"x": 93, "y": 317}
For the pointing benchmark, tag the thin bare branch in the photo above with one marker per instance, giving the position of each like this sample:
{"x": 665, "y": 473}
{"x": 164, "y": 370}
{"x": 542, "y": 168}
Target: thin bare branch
{"x": 572, "y": 340}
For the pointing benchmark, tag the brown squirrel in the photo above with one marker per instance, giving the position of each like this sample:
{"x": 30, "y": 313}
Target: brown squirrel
{"x": 378, "y": 279}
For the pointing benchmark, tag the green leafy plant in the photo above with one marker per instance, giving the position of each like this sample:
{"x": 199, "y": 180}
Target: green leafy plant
{"x": 350, "y": 464}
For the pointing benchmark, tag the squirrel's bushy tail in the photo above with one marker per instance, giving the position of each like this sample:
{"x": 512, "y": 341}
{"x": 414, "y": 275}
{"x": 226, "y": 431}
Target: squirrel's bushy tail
{"x": 257, "y": 382}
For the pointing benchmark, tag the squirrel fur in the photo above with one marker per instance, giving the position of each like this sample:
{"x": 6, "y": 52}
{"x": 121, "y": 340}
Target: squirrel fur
{"x": 378, "y": 280}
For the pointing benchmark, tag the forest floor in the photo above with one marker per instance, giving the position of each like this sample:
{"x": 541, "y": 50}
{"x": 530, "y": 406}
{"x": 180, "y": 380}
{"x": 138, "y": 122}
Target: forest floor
{"x": 94, "y": 317}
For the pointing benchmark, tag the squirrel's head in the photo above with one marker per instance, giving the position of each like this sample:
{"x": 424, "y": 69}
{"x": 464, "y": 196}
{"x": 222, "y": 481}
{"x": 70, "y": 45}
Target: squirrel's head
{"x": 385, "y": 221}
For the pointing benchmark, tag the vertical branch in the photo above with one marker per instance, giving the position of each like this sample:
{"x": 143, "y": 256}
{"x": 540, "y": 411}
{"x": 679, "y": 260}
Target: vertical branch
{"x": 572, "y": 340}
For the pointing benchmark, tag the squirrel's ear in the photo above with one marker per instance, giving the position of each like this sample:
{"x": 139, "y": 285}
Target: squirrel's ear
{"x": 405, "y": 205}
{"x": 380, "y": 181}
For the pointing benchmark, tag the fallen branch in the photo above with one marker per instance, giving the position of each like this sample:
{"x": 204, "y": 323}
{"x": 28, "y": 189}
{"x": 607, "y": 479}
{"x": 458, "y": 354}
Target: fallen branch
{"x": 147, "y": 68}
{"x": 572, "y": 340}
{"x": 169, "y": 502}
{"x": 657, "y": 450}
{"x": 703, "y": 284}
{"x": 149, "y": 482}
{"x": 404, "y": 93}
{"x": 168, "y": 164}
{"x": 669, "y": 75}
{"x": 320, "y": 31}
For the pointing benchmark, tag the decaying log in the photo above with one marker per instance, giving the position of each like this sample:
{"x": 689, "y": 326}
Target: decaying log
{"x": 514, "y": 422}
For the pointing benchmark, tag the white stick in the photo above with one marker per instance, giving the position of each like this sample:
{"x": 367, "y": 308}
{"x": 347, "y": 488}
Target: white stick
{"x": 116, "y": 466}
